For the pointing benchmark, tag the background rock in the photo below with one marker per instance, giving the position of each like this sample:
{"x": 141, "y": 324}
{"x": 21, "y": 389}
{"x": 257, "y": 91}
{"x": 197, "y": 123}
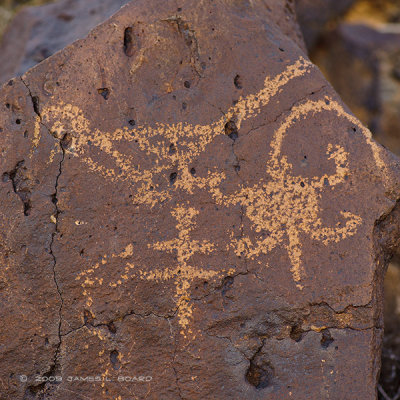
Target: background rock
{"x": 315, "y": 16}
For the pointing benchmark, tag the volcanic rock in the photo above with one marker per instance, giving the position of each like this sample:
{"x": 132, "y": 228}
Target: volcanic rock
{"x": 190, "y": 211}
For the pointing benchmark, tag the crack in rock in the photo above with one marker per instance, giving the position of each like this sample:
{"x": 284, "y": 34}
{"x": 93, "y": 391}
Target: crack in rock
{"x": 56, "y": 363}
{"x": 285, "y": 111}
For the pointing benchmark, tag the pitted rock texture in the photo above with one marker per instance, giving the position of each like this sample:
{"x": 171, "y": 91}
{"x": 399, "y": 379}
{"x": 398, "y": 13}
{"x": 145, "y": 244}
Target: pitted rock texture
{"x": 191, "y": 212}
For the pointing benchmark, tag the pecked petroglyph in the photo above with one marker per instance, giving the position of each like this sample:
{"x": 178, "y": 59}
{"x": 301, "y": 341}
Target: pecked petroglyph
{"x": 176, "y": 144}
{"x": 183, "y": 274}
{"x": 285, "y": 205}
{"x": 280, "y": 209}
{"x": 90, "y": 278}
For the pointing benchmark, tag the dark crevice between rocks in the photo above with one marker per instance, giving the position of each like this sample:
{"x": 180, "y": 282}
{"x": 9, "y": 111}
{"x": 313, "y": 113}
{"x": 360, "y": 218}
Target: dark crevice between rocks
{"x": 34, "y": 99}
{"x": 20, "y": 185}
{"x": 389, "y": 381}
{"x": 56, "y": 362}
{"x": 35, "y": 102}
{"x": 387, "y": 245}
{"x": 20, "y": 182}
{"x": 260, "y": 372}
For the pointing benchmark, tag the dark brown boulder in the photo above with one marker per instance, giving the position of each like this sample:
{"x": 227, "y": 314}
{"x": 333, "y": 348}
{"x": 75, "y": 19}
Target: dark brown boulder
{"x": 191, "y": 212}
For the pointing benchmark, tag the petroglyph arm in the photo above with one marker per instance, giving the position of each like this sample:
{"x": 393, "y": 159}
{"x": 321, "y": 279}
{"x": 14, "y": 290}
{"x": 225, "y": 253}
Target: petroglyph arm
{"x": 335, "y": 234}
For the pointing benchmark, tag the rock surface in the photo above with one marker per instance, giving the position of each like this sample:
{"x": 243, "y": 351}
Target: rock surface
{"x": 191, "y": 212}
